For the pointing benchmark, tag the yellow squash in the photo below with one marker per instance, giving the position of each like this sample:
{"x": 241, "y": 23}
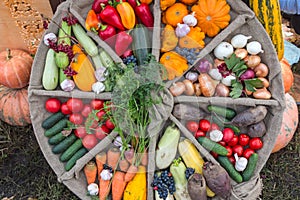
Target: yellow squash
{"x": 194, "y": 39}
{"x": 169, "y": 39}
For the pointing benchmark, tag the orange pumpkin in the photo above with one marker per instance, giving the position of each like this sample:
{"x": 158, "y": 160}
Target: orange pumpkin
{"x": 287, "y": 75}
{"x": 289, "y": 123}
{"x": 212, "y": 15}
{"x": 15, "y": 67}
{"x": 14, "y": 107}
{"x": 176, "y": 13}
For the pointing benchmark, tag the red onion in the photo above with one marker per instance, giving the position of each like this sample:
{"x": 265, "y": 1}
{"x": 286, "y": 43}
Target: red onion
{"x": 203, "y": 66}
{"x": 248, "y": 74}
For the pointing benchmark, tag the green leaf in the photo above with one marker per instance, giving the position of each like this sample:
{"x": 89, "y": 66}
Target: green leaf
{"x": 234, "y": 62}
{"x": 237, "y": 89}
{"x": 252, "y": 84}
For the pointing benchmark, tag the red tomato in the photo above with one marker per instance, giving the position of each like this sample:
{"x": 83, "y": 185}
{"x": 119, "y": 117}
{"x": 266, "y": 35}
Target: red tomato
{"x": 248, "y": 152}
{"x": 192, "y": 126}
{"x": 64, "y": 109}
{"x": 214, "y": 154}
{"x": 232, "y": 159}
{"x": 109, "y": 124}
{"x": 214, "y": 126}
{"x": 238, "y": 149}
{"x": 101, "y": 132}
{"x": 234, "y": 141}
{"x": 204, "y": 125}
{"x": 52, "y": 105}
{"x": 222, "y": 143}
{"x": 227, "y": 134}
{"x": 86, "y": 110}
{"x": 199, "y": 133}
{"x": 255, "y": 143}
{"x": 80, "y": 132}
{"x": 93, "y": 125}
{"x": 229, "y": 149}
{"x": 89, "y": 141}
{"x": 76, "y": 118}
{"x": 75, "y": 105}
{"x": 100, "y": 114}
{"x": 97, "y": 104}
{"x": 244, "y": 139}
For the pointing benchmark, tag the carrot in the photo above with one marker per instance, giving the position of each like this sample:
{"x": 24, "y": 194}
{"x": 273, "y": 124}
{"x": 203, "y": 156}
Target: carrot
{"x": 104, "y": 188}
{"x": 123, "y": 164}
{"x": 118, "y": 185}
{"x": 113, "y": 156}
{"x": 100, "y": 160}
{"x": 132, "y": 170}
{"x": 90, "y": 172}
{"x": 144, "y": 160}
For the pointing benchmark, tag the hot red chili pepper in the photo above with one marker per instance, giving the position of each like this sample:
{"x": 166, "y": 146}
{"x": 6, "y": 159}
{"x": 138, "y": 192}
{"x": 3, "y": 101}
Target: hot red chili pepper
{"x": 132, "y": 3}
{"x": 110, "y": 16}
{"x": 143, "y": 11}
{"x": 123, "y": 41}
{"x": 91, "y": 21}
{"x": 107, "y": 33}
{"x": 97, "y": 5}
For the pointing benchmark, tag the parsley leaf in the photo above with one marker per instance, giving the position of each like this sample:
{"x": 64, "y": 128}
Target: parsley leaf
{"x": 252, "y": 84}
{"x": 236, "y": 65}
{"x": 236, "y": 90}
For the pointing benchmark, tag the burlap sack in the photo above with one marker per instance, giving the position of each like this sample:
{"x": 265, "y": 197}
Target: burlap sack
{"x": 242, "y": 21}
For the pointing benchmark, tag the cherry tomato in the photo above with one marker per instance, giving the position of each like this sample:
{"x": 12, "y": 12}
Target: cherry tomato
{"x": 222, "y": 143}
{"x": 214, "y": 126}
{"x": 52, "y": 105}
{"x": 204, "y": 125}
{"x": 75, "y": 105}
{"x": 255, "y": 143}
{"x": 97, "y": 104}
{"x": 244, "y": 139}
{"x": 234, "y": 141}
{"x": 100, "y": 114}
{"x": 101, "y": 132}
{"x": 232, "y": 159}
{"x": 89, "y": 141}
{"x": 80, "y": 132}
{"x": 64, "y": 109}
{"x": 214, "y": 154}
{"x": 238, "y": 149}
{"x": 199, "y": 133}
{"x": 248, "y": 152}
{"x": 86, "y": 110}
{"x": 229, "y": 149}
{"x": 76, "y": 118}
{"x": 227, "y": 134}
{"x": 192, "y": 126}
{"x": 109, "y": 124}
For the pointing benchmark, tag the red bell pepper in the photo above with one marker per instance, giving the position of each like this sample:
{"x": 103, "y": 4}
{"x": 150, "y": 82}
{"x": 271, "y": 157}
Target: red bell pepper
{"x": 123, "y": 41}
{"x": 132, "y": 3}
{"x": 110, "y": 16}
{"x": 108, "y": 34}
{"x": 97, "y": 5}
{"x": 143, "y": 11}
{"x": 91, "y": 22}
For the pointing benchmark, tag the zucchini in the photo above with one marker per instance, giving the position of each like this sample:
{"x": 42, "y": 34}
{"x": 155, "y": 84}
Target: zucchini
{"x": 62, "y": 76}
{"x": 63, "y": 145}
{"x": 106, "y": 60}
{"x": 228, "y": 113}
{"x": 56, "y": 128}
{"x": 50, "y": 74}
{"x": 74, "y": 158}
{"x": 97, "y": 61}
{"x": 84, "y": 40}
{"x": 269, "y": 15}
{"x": 71, "y": 150}
{"x": 141, "y": 44}
{"x": 55, "y": 139}
{"x": 64, "y": 34}
{"x": 210, "y": 145}
{"x": 52, "y": 119}
{"x": 225, "y": 162}
{"x": 248, "y": 172}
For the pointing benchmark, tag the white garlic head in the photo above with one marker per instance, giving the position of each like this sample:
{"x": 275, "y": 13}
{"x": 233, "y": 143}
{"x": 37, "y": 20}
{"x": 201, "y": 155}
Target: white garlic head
{"x": 98, "y": 87}
{"x": 216, "y": 135}
{"x": 182, "y": 30}
{"x": 106, "y": 174}
{"x": 240, "y": 163}
{"x": 93, "y": 189}
{"x": 190, "y": 19}
{"x": 50, "y": 37}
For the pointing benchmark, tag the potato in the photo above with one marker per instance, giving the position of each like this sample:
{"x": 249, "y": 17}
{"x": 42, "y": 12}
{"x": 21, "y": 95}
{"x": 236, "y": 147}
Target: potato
{"x": 250, "y": 116}
{"x": 188, "y": 112}
{"x": 197, "y": 187}
{"x": 217, "y": 179}
{"x": 257, "y": 130}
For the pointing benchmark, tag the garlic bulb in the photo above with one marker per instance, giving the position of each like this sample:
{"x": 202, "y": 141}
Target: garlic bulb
{"x": 223, "y": 50}
{"x": 118, "y": 141}
{"x": 93, "y": 189}
{"x": 106, "y": 174}
{"x": 215, "y": 74}
{"x": 227, "y": 80}
{"x": 216, "y": 135}
{"x": 98, "y": 87}
{"x": 254, "y": 48}
{"x": 182, "y": 30}
{"x": 240, "y": 163}
{"x": 100, "y": 73}
{"x": 192, "y": 76}
{"x": 190, "y": 19}
{"x": 50, "y": 37}
{"x": 240, "y": 40}
{"x": 67, "y": 85}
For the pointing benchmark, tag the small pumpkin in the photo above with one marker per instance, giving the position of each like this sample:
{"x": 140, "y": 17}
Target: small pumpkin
{"x": 174, "y": 63}
{"x": 188, "y": 2}
{"x": 15, "y": 67}
{"x": 194, "y": 39}
{"x": 287, "y": 75}
{"x": 169, "y": 39}
{"x": 14, "y": 106}
{"x": 163, "y": 17}
{"x": 212, "y": 16}
{"x": 176, "y": 13}
{"x": 289, "y": 123}
{"x": 164, "y": 4}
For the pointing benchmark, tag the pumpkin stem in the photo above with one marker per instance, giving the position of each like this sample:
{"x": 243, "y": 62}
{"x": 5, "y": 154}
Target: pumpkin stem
{"x": 8, "y": 57}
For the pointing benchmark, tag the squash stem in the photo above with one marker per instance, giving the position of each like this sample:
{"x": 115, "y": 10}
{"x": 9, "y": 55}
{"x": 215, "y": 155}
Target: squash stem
{"x": 8, "y": 57}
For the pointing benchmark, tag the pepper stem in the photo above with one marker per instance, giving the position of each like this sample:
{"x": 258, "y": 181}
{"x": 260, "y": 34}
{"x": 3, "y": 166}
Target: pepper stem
{"x": 138, "y": 3}
{"x": 8, "y": 57}
{"x": 103, "y": 27}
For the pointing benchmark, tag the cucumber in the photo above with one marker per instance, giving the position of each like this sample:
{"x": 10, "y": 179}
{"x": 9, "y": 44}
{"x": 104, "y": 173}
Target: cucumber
{"x": 50, "y": 74}
{"x": 74, "y": 158}
{"x": 58, "y": 127}
{"x": 248, "y": 172}
{"x": 56, "y": 138}
{"x": 210, "y": 145}
{"x": 67, "y": 154}
{"x": 225, "y": 162}
{"x": 63, "y": 145}
{"x": 52, "y": 119}
{"x": 62, "y": 76}
{"x": 64, "y": 33}
{"x": 141, "y": 44}
{"x": 221, "y": 122}
{"x": 224, "y": 112}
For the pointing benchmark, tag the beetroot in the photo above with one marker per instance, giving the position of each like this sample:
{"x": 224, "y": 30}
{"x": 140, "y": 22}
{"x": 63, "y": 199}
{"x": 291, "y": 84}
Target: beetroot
{"x": 197, "y": 187}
